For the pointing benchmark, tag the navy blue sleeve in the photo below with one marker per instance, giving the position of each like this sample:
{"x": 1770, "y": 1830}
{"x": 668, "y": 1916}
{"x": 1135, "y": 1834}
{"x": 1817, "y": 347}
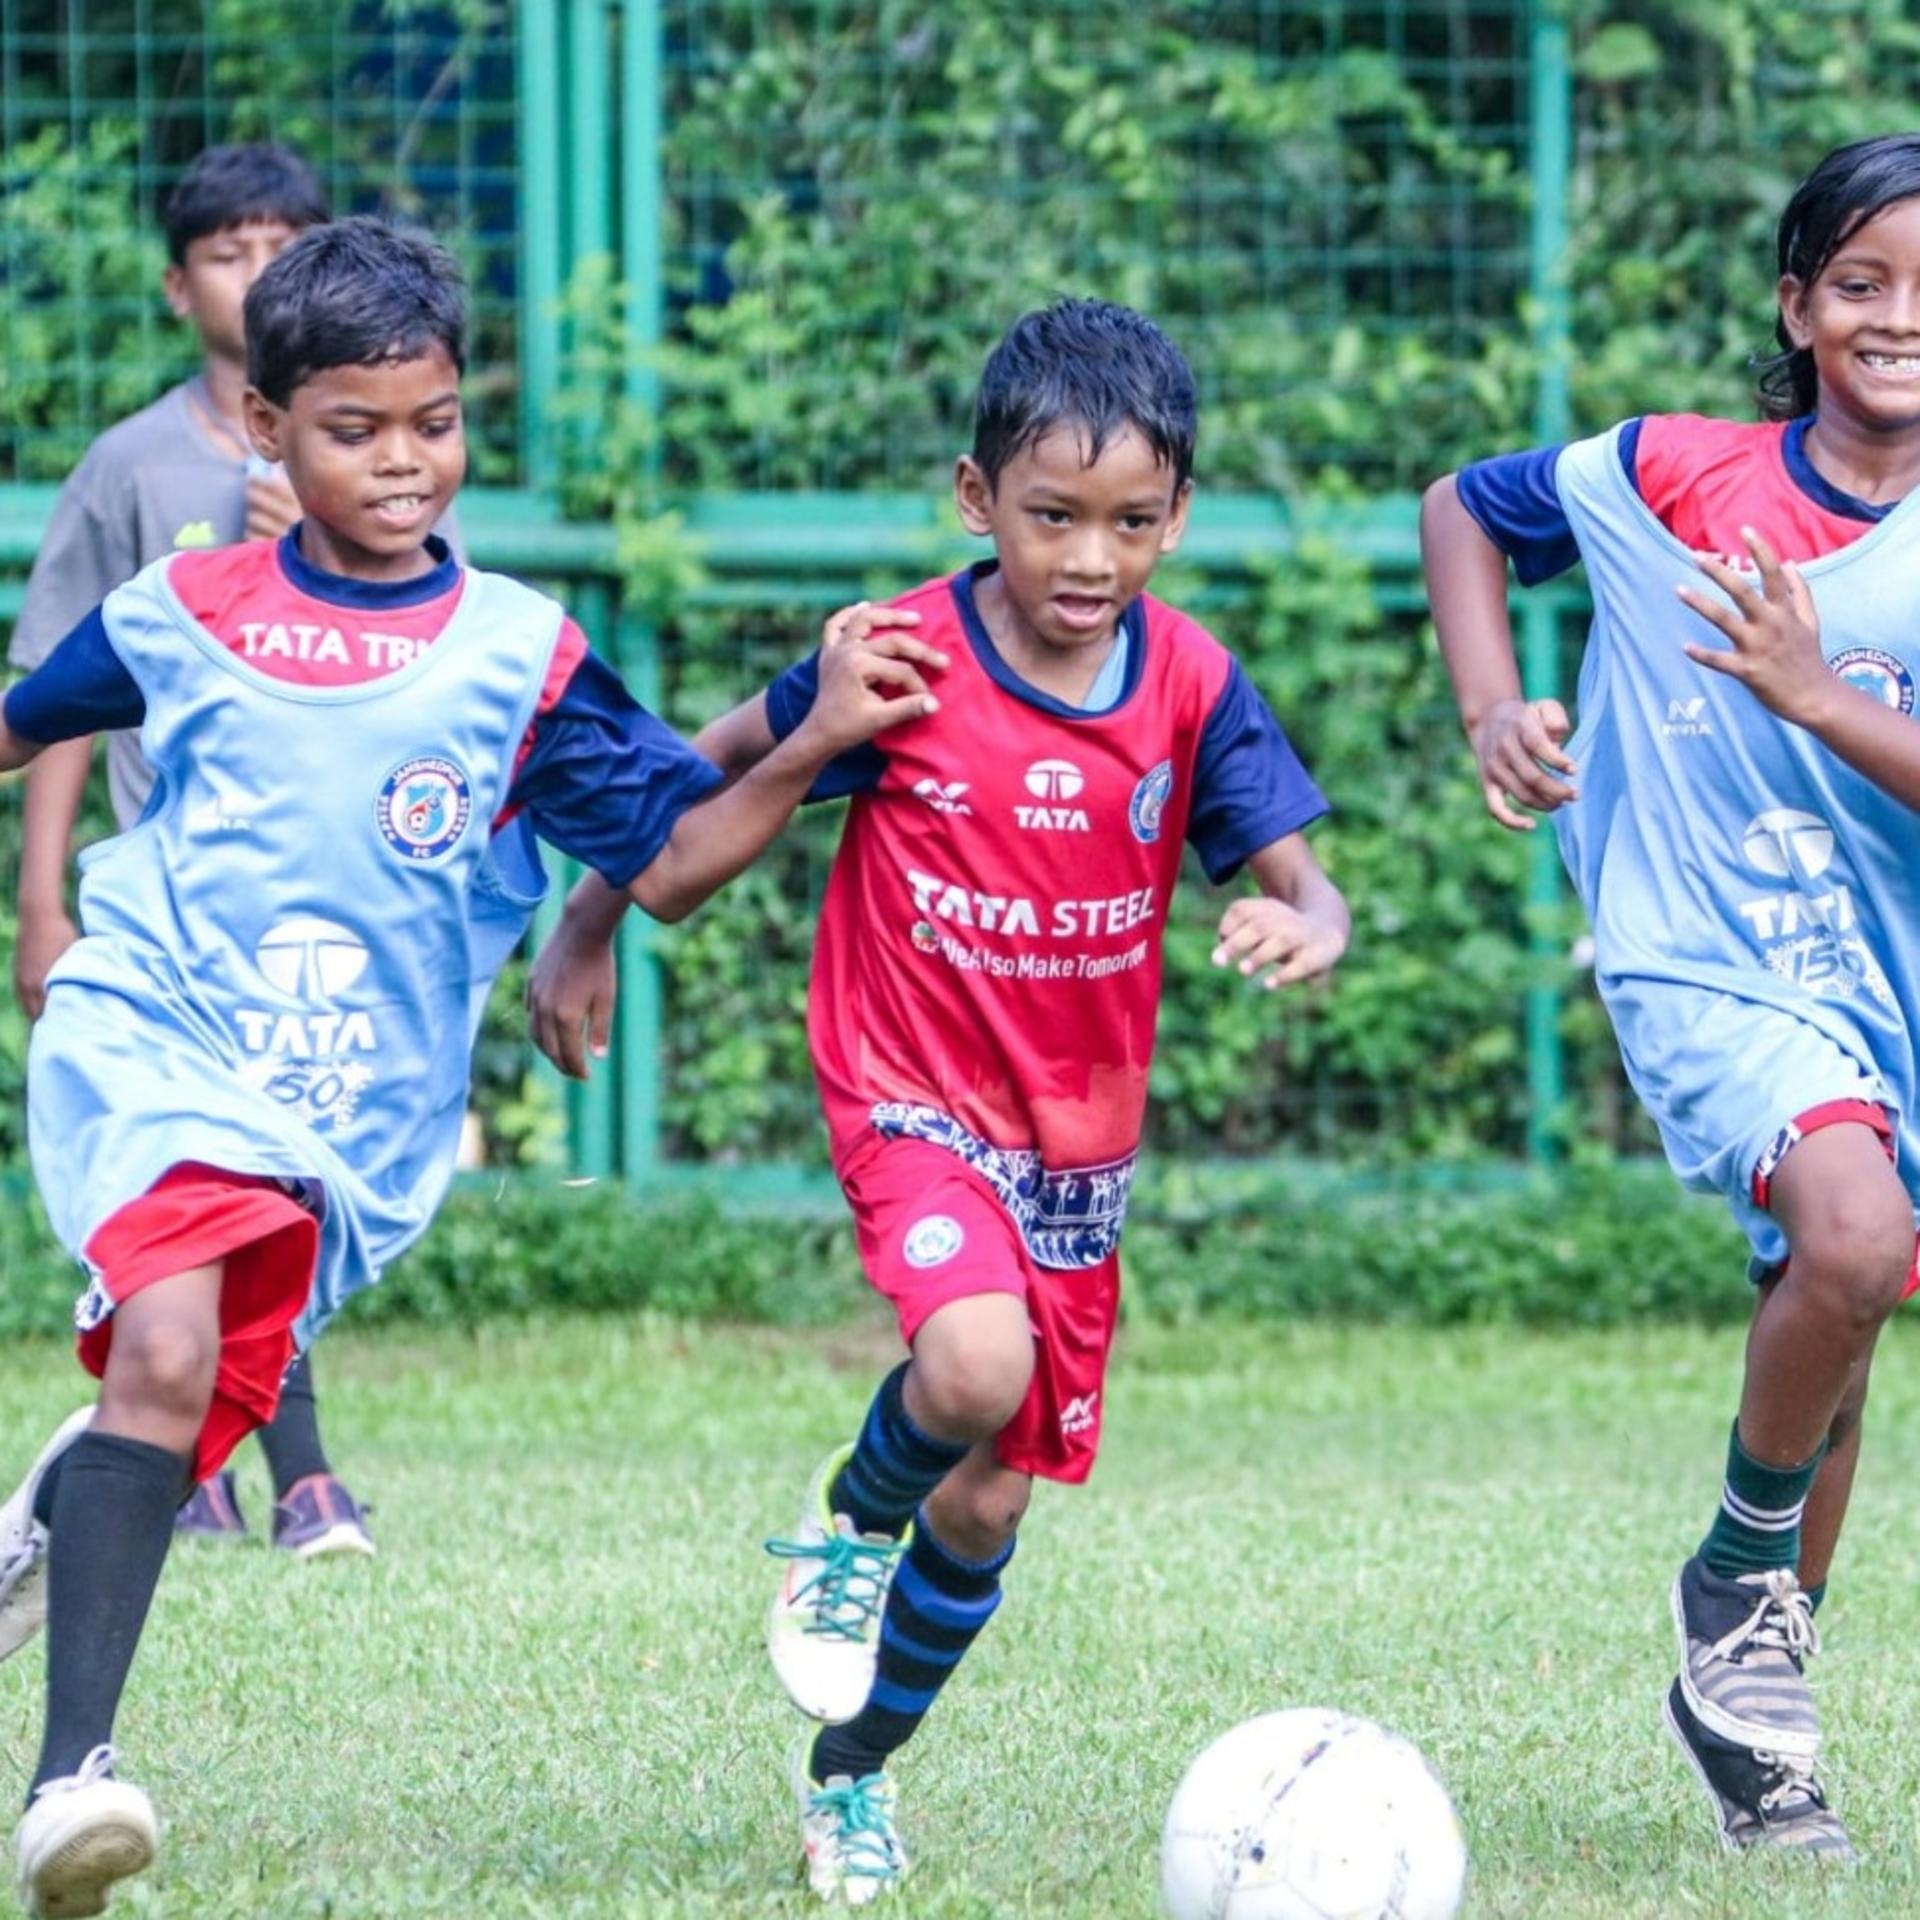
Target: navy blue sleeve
{"x": 789, "y": 700}
{"x": 1249, "y": 786}
{"x": 1516, "y": 503}
{"x": 1513, "y": 499}
{"x": 604, "y": 780}
{"x": 81, "y": 687}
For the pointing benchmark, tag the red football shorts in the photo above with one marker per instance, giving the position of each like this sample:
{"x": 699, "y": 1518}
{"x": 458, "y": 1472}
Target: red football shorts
{"x": 931, "y": 1231}
{"x": 191, "y": 1217}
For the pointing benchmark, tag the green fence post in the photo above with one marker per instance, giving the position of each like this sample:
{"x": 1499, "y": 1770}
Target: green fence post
{"x": 589, "y": 131}
{"x": 642, "y": 1035}
{"x": 538, "y": 51}
{"x": 1550, "y": 91}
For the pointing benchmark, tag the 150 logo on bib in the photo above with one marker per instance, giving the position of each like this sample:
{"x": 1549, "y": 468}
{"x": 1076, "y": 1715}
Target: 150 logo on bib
{"x": 424, "y": 806}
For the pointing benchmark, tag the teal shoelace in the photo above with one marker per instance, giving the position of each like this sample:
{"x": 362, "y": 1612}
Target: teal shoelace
{"x": 851, "y": 1585}
{"x": 863, "y": 1810}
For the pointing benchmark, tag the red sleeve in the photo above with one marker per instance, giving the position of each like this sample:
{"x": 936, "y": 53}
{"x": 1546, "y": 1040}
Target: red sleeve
{"x": 568, "y": 652}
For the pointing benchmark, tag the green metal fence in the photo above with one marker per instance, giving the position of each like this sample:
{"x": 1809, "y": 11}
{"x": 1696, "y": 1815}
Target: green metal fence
{"x": 1328, "y": 202}
{"x": 402, "y": 109}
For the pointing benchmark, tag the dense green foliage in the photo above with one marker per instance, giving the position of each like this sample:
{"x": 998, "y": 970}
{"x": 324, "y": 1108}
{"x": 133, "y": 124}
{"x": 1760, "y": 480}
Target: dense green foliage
{"x": 1328, "y": 207}
{"x": 1613, "y": 1246}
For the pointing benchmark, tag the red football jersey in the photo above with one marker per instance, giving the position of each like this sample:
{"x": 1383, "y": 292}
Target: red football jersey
{"x": 1705, "y": 479}
{"x": 987, "y": 969}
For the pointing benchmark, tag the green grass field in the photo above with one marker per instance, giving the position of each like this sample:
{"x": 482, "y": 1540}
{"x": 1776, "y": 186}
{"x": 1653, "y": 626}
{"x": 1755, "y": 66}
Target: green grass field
{"x": 548, "y": 1696}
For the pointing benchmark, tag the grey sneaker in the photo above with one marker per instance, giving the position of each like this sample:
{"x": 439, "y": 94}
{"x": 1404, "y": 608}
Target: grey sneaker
{"x": 1759, "y": 1798}
{"x": 1744, "y": 1644}
{"x": 23, "y": 1544}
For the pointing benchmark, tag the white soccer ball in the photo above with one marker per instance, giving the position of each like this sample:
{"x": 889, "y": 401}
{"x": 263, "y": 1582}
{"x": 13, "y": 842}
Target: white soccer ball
{"x": 1311, "y": 1815}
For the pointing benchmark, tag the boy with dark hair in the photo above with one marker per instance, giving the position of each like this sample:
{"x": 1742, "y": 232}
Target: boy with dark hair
{"x": 177, "y": 475}
{"x": 246, "y": 1091}
{"x": 985, "y": 987}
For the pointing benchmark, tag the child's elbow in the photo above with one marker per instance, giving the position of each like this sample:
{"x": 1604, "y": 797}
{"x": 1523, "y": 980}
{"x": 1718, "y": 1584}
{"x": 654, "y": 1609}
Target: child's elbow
{"x": 658, "y": 896}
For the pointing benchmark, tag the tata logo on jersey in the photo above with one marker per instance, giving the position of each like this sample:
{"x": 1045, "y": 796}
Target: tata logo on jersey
{"x": 311, "y": 962}
{"x": 1054, "y": 781}
{"x": 1013, "y": 914}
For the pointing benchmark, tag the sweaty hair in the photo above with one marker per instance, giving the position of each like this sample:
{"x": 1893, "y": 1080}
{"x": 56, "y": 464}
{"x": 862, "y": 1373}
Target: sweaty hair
{"x": 1091, "y": 365}
{"x": 225, "y": 186}
{"x": 1846, "y": 190}
{"x": 356, "y": 293}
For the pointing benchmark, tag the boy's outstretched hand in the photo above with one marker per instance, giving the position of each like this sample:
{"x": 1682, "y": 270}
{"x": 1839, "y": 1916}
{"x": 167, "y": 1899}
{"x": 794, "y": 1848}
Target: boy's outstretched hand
{"x": 1291, "y": 943}
{"x": 1775, "y": 633}
{"x": 869, "y": 680}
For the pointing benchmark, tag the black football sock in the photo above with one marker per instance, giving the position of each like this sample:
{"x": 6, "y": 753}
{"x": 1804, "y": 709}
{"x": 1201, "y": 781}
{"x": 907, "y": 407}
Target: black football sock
{"x": 937, "y": 1605}
{"x": 292, "y": 1442}
{"x": 112, "y": 1523}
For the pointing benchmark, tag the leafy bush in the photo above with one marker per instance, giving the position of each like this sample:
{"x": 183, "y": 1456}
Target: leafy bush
{"x": 1325, "y": 205}
{"x": 1603, "y": 1247}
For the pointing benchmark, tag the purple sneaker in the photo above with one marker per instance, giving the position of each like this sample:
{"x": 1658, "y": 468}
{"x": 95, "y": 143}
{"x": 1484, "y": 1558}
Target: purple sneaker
{"x": 318, "y": 1517}
{"x": 212, "y": 1511}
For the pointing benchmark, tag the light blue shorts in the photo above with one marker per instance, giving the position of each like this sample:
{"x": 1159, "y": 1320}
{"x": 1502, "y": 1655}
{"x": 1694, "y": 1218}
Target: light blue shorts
{"x": 1728, "y": 1082}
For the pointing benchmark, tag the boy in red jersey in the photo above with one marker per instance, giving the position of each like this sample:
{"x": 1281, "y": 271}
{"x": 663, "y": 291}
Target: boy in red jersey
{"x": 985, "y": 989}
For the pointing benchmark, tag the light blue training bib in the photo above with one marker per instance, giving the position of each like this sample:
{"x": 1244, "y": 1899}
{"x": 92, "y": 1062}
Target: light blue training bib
{"x": 1755, "y": 902}
{"x": 285, "y": 961}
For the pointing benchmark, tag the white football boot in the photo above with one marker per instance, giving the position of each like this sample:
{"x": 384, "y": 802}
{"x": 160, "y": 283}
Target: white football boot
{"x": 80, "y": 1835}
{"x": 823, "y": 1632}
{"x": 23, "y": 1544}
{"x": 847, "y": 1833}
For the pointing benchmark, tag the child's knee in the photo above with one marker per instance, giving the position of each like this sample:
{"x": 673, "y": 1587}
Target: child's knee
{"x": 1853, "y": 1251}
{"x": 166, "y": 1365}
{"x": 969, "y": 1379}
{"x": 976, "y": 1514}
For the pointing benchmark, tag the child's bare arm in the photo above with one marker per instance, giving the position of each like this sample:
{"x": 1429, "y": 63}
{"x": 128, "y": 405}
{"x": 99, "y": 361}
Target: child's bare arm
{"x": 1516, "y": 741}
{"x": 1295, "y": 928}
{"x": 16, "y": 750}
{"x": 54, "y": 789}
{"x": 865, "y": 687}
{"x": 744, "y": 736}
{"x": 573, "y": 986}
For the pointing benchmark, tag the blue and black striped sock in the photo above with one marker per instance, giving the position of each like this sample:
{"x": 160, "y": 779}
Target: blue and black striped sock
{"x": 894, "y": 1465}
{"x": 937, "y": 1605}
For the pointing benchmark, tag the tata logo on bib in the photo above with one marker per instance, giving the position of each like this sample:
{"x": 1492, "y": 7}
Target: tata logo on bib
{"x": 309, "y": 963}
{"x": 309, "y": 959}
{"x": 1057, "y": 782}
{"x": 1786, "y": 844}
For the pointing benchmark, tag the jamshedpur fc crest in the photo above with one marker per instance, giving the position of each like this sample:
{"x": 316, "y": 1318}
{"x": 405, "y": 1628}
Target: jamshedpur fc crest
{"x": 424, "y": 806}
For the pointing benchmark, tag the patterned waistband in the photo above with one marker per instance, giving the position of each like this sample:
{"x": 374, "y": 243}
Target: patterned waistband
{"x": 1069, "y": 1217}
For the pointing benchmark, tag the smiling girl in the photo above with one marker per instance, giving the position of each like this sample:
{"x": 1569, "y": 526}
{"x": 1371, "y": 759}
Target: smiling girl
{"x": 1745, "y": 854}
